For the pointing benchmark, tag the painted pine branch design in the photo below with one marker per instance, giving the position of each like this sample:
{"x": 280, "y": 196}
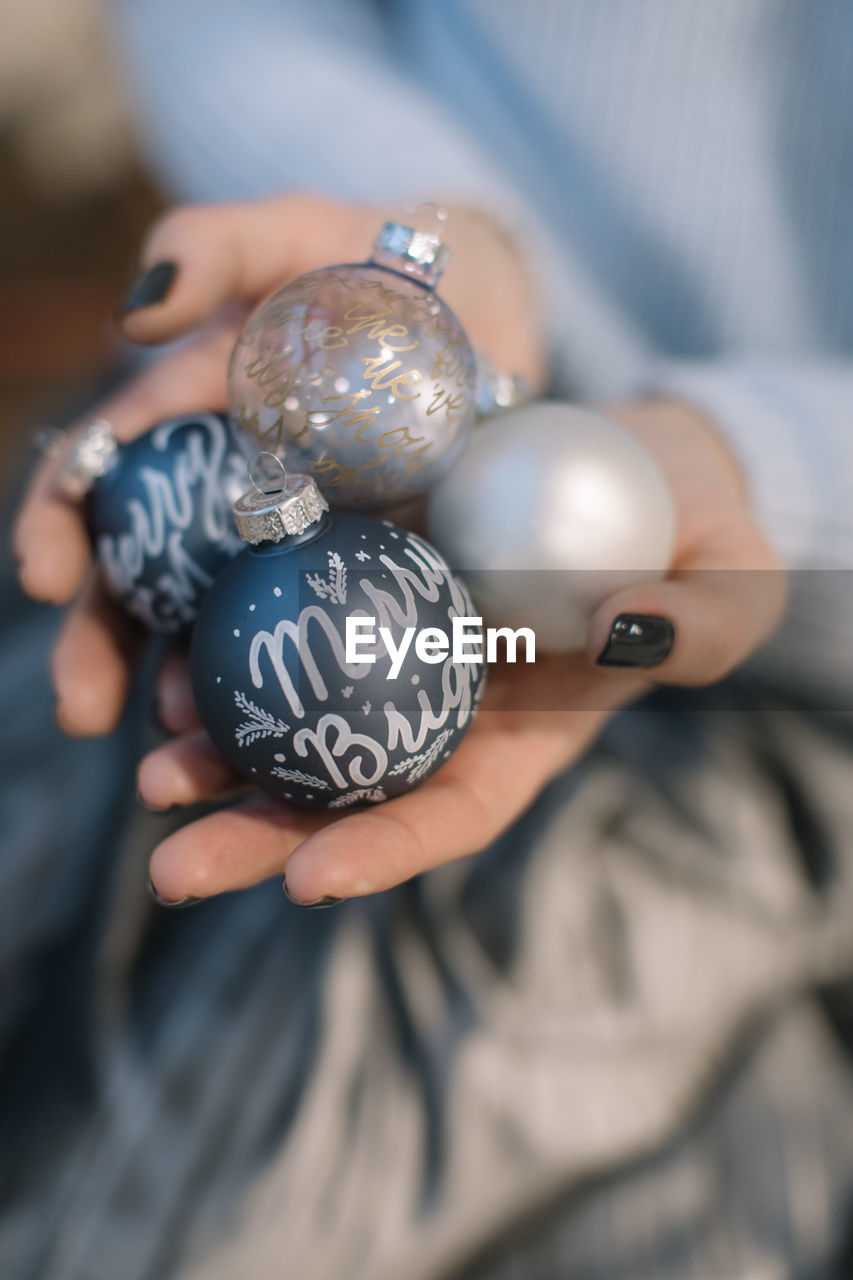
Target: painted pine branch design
{"x": 260, "y": 724}
{"x": 333, "y": 588}
{"x": 296, "y": 775}
{"x": 416, "y": 766}
{"x": 365, "y": 795}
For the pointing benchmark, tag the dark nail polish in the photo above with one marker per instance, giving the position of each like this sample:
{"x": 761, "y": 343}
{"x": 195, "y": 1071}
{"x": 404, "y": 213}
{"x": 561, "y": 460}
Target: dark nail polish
{"x": 637, "y": 640}
{"x": 171, "y": 903}
{"x": 150, "y": 287}
{"x": 318, "y": 902}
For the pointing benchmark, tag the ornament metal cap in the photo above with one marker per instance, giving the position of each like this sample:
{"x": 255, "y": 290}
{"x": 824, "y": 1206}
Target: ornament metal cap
{"x": 498, "y": 391}
{"x": 92, "y": 455}
{"x": 270, "y": 512}
{"x": 421, "y": 254}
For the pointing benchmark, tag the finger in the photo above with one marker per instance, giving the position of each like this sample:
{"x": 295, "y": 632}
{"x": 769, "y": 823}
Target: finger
{"x": 221, "y": 252}
{"x": 92, "y": 663}
{"x": 176, "y": 709}
{"x": 50, "y": 538}
{"x": 454, "y": 813}
{"x": 185, "y": 771}
{"x": 702, "y": 622}
{"x": 494, "y": 776}
{"x": 504, "y": 762}
{"x": 232, "y": 849}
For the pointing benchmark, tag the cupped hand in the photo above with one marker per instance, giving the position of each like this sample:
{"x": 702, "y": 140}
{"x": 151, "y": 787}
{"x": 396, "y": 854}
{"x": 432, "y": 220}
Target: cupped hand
{"x": 724, "y": 596}
{"x": 202, "y": 270}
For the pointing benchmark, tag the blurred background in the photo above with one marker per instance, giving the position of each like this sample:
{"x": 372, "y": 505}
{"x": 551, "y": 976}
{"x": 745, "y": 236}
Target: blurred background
{"x": 74, "y": 203}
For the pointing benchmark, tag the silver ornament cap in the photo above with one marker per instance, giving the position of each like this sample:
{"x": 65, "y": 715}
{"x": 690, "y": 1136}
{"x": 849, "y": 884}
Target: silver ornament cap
{"x": 92, "y": 455}
{"x": 421, "y": 254}
{"x": 277, "y": 509}
{"x": 498, "y": 391}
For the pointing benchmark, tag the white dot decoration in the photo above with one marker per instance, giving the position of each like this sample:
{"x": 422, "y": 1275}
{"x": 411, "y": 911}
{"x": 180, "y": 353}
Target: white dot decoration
{"x": 291, "y": 404}
{"x": 258, "y": 732}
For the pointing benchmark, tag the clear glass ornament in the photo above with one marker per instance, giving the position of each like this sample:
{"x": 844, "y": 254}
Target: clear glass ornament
{"x": 359, "y": 375}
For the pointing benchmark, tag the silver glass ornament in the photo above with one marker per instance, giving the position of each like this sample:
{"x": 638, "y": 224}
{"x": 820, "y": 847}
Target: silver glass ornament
{"x": 551, "y": 509}
{"x": 359, "y": 375}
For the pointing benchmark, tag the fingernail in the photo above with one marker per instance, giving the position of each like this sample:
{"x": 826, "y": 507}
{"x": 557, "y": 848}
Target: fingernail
{"x": 170, "y": 902}
{"x": 318, "y": 902}
{"x": 152, "y": 808}
{"x": 637, "y": 640}
{"x": 150, "y": 287}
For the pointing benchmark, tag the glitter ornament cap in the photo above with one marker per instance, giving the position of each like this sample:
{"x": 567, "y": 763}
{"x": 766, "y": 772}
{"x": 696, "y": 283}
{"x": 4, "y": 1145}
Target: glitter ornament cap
{"x": 92, "y": 456}
{"x": 277, "y": 507}
{"x": 421, "y": 254}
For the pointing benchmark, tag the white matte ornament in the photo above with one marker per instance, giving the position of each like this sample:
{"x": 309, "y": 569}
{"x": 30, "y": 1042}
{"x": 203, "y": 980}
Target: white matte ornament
{"x": 559, "y": 490}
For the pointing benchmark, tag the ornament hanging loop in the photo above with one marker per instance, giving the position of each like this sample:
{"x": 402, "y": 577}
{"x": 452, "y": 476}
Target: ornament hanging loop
{"x": 439, "y": 212}
{"x": 267, "y": 484}
{"x": 268, "y": 515}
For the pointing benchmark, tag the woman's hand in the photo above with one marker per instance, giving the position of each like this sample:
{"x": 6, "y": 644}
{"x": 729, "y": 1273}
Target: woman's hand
{"x": 203, "y": 269}
{"x": 723, "y": 598}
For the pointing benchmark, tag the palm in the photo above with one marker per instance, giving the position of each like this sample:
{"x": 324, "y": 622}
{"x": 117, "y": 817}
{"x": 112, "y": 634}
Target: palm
{"x": 535, "y": 721}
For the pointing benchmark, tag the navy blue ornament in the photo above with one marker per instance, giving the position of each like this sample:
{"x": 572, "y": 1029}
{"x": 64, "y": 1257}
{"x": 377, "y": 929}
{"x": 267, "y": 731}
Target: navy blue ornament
{"x": 269, "y": 670}
{"x": 160, "y": 517}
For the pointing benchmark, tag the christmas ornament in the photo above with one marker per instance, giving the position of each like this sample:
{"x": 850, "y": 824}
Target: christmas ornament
{"x": 550, "y": 510}
{"x": 159, "y": 512}
{"x": 269, "y": 658}
{"x": 359, "y": 374}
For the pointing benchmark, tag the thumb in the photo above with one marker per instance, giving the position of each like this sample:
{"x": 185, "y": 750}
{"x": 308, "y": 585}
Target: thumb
{"x": 197, "y": 258}
{"x": 699, "y": 624}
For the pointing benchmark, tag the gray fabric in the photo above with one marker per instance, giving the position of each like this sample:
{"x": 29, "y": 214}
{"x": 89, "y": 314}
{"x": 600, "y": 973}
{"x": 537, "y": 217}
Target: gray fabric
{"x": 401, "y": 1085}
